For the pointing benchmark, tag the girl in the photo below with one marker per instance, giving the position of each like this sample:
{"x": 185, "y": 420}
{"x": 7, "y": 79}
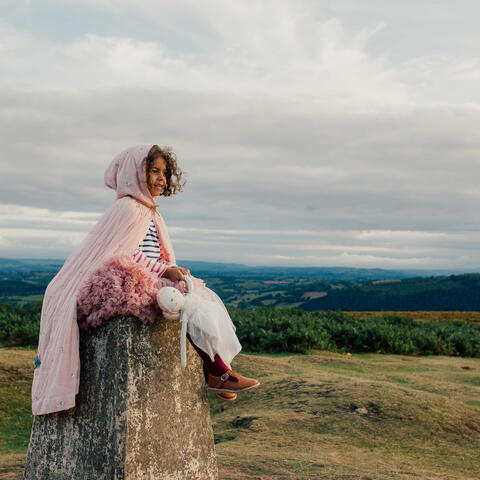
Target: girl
{"x": 139, "y": 175}
{"x": 161, "y": 168}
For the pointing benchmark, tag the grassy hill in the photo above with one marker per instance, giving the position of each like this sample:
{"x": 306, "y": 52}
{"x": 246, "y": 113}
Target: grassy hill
{"x": 320, "y": 416}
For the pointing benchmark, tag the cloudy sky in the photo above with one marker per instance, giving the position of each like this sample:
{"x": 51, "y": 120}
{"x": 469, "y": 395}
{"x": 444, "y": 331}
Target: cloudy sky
{"x": 311, "y": 132}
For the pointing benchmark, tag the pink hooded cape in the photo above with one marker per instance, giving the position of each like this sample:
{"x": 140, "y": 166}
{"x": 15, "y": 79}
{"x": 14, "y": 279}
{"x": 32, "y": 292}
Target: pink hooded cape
{"x": 56, "y": 380}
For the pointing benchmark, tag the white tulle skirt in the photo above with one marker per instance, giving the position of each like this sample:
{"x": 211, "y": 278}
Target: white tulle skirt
{"x": 209, "y": 324}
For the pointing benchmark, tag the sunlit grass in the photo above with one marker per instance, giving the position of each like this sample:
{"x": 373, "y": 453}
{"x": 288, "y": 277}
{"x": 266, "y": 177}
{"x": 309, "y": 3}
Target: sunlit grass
{"x": 324, "y": 415}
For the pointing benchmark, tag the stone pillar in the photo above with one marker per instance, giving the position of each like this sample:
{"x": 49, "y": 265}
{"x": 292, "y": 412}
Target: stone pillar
{"x": 139, "y": 415}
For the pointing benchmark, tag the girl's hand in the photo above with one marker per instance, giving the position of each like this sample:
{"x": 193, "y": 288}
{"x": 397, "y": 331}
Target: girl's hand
{"x": 185, "y": 271}
{"x": 174, "y": 274}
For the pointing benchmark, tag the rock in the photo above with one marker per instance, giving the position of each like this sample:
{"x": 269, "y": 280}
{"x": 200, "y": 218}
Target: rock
{"x": 139, "y": 415}
{"x": 362, "y": 411}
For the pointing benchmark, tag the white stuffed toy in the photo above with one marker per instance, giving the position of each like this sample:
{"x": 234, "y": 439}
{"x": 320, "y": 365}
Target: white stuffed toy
{"x": 189, "y": 307}
{"x": 205, "y": 315}
{"x": 170, "y": 300}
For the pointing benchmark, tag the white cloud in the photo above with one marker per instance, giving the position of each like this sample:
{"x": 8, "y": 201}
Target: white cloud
{"x": 261, "y": 51}
{"x": 305, "y": 135}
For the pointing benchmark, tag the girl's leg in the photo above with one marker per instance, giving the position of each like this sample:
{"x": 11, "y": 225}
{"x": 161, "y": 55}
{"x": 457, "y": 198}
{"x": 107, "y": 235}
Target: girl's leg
{"x": 221, "y": 379}
{"x": 217, "y": 368}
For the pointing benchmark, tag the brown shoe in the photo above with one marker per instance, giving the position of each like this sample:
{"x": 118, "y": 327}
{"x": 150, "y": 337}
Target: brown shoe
{"x": 227, "y": 396}
{"x": 230, "y": 381}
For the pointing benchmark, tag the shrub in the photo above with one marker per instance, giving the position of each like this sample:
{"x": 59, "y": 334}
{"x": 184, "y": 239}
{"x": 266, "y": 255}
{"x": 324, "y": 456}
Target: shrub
{"x": 20, "y": 326}
{"x": 268, "y": 329}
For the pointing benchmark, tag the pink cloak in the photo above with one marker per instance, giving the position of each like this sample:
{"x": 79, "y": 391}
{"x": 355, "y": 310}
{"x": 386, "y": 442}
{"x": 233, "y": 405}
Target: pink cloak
{"x": 56, "y": 380}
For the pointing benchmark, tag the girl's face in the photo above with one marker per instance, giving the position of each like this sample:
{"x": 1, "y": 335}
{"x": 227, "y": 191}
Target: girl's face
{"x": 156, "y": 176}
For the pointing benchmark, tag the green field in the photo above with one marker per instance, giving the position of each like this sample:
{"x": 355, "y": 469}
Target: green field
{"x": 320, "y": 416}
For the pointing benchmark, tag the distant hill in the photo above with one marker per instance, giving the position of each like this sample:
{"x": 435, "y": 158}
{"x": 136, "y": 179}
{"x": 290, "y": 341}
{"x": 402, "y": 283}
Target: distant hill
{"x": 454, "y": 292}
{"x": 310, "y": 288}
{"x": 327, "y": 273}
{"x": 30, "y": 264}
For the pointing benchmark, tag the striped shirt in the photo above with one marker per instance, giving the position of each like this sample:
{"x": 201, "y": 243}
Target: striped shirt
{"x": 148, "y": 252}
{"x": 150, "y": 245}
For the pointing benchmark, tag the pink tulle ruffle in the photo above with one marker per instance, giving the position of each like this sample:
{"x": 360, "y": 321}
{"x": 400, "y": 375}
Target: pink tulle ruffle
{"x": 121, "y": 287}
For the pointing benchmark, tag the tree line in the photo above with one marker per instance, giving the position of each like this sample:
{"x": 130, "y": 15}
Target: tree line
{"x": 270, "y": 330}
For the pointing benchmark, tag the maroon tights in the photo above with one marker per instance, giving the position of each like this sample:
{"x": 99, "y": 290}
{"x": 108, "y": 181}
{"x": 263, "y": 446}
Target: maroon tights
{"x": 215, "y": 368}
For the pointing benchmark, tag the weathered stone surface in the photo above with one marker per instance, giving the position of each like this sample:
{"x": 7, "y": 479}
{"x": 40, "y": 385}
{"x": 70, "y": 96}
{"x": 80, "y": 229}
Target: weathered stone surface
{"x": 139, "y": 415}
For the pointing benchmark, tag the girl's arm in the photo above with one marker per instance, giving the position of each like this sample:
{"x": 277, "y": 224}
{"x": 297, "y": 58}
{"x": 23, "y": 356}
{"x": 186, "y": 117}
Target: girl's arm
{"x": 157, "y": 267}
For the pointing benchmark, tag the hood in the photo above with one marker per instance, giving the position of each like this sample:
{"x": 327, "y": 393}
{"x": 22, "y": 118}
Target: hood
{"x": 127, "y": 174}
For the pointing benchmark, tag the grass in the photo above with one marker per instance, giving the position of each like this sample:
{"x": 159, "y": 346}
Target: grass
{"x": 425, "y": 316}
{"x": 320, "y": 416}
{"x": 15, "y": 411}
{"x": 422, "y": 418}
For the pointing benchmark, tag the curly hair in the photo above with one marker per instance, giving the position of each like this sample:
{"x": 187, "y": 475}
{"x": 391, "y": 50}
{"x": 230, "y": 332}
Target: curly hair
{"x": 174, "y": 175}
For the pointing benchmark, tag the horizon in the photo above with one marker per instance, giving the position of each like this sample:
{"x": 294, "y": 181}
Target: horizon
{"x": 446, "y": 271}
